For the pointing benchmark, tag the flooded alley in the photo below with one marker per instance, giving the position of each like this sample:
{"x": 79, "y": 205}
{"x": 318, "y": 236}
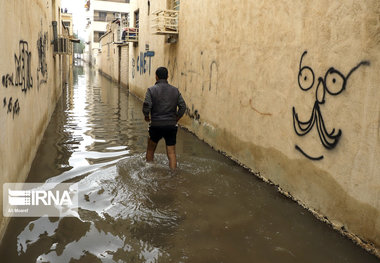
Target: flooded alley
{"x": 209, "y": 210}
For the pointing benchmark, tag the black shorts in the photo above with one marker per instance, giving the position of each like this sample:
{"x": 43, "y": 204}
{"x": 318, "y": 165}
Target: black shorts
{"x": 168, "y": 132}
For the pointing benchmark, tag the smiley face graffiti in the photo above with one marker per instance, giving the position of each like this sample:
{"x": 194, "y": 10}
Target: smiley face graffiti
{"x": 333, "y": 83}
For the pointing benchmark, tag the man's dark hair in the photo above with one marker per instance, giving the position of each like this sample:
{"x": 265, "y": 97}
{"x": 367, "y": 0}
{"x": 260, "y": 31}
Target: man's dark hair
{"x": 162, "y": 73}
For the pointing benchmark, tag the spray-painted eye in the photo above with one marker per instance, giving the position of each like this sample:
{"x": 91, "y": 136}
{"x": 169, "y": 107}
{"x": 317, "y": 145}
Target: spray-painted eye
{"x": 335, "y": 82}
{"x": 305, "y": 76}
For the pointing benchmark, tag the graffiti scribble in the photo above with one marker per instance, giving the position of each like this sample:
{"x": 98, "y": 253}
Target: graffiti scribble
{"x": 23, "y": 60}
{"x": 7, "y": 80}
{"x": 142, "y": 65}
{"x": 42, "y": 45}
{"x": 334, "y": 83}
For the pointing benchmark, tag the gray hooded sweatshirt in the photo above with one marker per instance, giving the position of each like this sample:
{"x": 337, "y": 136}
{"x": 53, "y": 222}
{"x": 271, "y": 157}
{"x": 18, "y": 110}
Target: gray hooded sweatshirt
{"x": 161, "y": 102}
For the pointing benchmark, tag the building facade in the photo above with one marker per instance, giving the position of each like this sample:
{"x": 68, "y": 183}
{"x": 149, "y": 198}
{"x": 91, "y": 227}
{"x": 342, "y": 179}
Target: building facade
{"x": 67, "y": 24}
{"x": 113, "y": 57}
{"x": 31, "y": 66}
{"x": 289, "y": 89}
{"x": 99, "y": 14}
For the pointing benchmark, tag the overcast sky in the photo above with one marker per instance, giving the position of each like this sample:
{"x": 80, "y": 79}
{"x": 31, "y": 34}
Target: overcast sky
{"x": 76, "y": 7}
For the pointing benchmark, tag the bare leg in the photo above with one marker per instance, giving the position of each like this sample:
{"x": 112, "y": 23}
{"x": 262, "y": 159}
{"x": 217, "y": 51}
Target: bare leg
{"x": 150, "y": 150}
{"x": 170, "y": 151}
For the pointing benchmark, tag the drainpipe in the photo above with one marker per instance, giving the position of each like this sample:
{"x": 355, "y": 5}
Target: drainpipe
{"x": 55, "y": 36}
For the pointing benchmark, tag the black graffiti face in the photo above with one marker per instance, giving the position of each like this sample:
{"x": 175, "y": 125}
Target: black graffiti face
{"x": 333, "y": 83}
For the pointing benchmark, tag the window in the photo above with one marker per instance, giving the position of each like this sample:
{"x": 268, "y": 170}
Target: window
{"x": 173, "y": 4}
{"x": 97, "y": 35}
{"x": 67, "y": 24}
{"x": 137, "y": 21}
{"x": 100, "y": 15}
{"x": 125, "y": 18}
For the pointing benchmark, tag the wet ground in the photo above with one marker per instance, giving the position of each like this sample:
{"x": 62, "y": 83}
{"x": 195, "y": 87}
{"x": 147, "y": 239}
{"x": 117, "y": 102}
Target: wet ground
{"x": 210, "y": 210}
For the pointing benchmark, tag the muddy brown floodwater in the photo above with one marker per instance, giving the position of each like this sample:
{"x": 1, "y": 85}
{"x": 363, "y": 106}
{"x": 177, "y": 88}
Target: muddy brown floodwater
{"x": 210, "y": 210}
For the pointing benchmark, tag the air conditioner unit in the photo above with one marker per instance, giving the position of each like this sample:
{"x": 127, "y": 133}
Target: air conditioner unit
{"x": 61, "y": 45}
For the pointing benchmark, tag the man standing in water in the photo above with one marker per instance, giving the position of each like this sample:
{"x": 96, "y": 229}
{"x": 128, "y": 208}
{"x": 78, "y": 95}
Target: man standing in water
{"x": 161, "y": 102}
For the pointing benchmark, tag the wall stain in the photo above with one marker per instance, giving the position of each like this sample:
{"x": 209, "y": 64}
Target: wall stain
{"x": 356, "y": 220}
{"x": 256, "y": 110}
{"x": 248, "y": 103}
{"x": 213, "y": 84}
{"x": 172, "y": 66}
{"x": 133, "y": 68}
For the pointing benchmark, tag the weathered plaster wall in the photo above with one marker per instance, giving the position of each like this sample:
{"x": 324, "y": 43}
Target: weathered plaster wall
{"x": 30, "y": 84}
{"x": 106, "y": 58}
{"x": 149, "y": 53}
{"x": 67, "y": 60}
{"x": 238, "y": 66}
{"x": 124, "y": 65}
{"x": 114, "y": 57}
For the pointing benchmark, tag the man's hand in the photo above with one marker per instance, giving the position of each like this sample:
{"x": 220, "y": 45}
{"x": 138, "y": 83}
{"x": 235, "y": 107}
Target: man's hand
{"x": 147, "y": 119}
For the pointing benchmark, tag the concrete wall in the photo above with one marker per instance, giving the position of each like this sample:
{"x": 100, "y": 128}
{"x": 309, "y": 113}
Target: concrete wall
{"x": 68, "y": 17}
{"x": 124, "y": 65}
{"x": 142, "y": 66}
{"x": 113, "y": 60}
{"x": 242, "y": 67}
{"x": 30, "y": 84}
{"x": 67, "y": 60}
{"x": 106, "y": 58}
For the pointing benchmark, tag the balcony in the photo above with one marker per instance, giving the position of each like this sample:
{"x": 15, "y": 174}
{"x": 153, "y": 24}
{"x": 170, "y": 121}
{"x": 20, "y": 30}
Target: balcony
{"x": 165, "y": 22}
{"x": 130, "y": 34}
